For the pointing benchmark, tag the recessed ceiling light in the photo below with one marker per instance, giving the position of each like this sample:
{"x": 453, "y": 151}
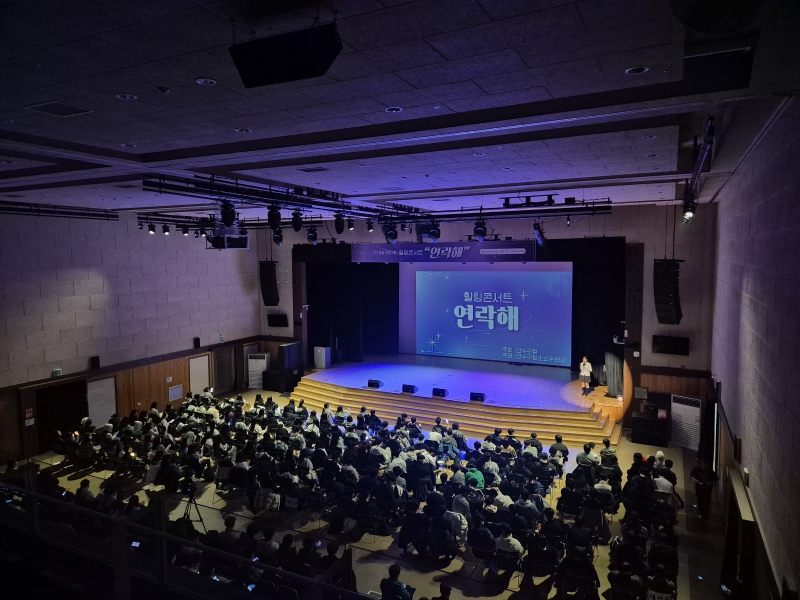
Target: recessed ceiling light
{"x": 453, "y": 173}
{"x": 437, "y": 107}
{"x": 127, "y": 97}
{"x": 242, "y": 130}
{"x": 479, "y": 154}
{"x": 656, "y": 169}
{"x": 393, "y": 109}
{"x": 128, "y": 145}
{"x": 638, "y": 70}
{"x": 362, "y": 165}
{"x": 649, "y": 137}
{"x": 506, "y": 168}
{"x": 9, "y": 162}
{"x": 205, "y": 81}
{"x": 652, "y": 155}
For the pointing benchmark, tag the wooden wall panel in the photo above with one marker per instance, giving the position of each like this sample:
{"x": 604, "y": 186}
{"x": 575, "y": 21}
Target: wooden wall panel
{"x": 673, "y": 384}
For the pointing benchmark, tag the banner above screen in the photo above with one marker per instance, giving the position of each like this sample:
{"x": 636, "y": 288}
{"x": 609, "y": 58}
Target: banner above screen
{"x": 456, "y": 252}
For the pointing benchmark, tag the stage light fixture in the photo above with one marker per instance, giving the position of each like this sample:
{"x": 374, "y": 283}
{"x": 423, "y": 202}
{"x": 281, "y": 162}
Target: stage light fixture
{"x": 434, "y": 232}
{"x": 242, "y": 229}
{"x": 390, "y": 233}
{"x": 196, "y": 233}
{"x": 338, "y": 223}
{"x": 689, "y": 208}
{"x": 185, "y": 230}
{"x": 274, "y": 217}
{"x": 141, "y": 225}
{"x": 567, "y": 220}
{"x": 402, "y": 226}
{"x": 277, "y": 236}
{"x": 312, "y": 235}
{"x": 227, "y": 213}
{"x": 297, "y": 220}
{"x": 165, "y": 229}
{"x": 538, "y": 233}
{"x": 480, "y": 231}
{"x": 203, "y": 231}
{"x": 151, "y": 227}
{"x": 370, "y": 227}
{"x": 350, "y": 224}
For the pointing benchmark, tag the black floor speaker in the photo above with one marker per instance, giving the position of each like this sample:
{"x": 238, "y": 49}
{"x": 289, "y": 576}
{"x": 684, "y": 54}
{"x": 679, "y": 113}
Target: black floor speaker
{"x": 268, "y": 273}
{"x": 373, "y": 383}
{"x": 666, "y": 291}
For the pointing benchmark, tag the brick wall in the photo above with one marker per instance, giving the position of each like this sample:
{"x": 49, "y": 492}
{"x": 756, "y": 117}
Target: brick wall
{"x": 756, "y": 333}
{"x": 72, "y": 289}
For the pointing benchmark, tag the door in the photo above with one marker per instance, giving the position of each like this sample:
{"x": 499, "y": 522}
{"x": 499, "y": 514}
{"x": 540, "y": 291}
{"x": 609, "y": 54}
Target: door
{"x": 60, "y": 407}
{"x": 198, "y": 374}
{"x": 224, "y": 370}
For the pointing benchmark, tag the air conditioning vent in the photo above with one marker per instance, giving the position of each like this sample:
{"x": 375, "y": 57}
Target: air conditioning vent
{"x": 313, "y": 169}
{"x": 59, "y": 109}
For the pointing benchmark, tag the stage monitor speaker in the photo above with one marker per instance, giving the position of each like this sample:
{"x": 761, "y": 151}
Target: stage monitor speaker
{"x": 477, "y": 397}
{"x": 94, "y": 362}
{"x": 666, "y": 291}
{"x": 439, "y": 393}
{"x": 195, "y": 342}
{"x": 288, "y": 56}
{"x": 374, "y": 383}
{"x": 409, "y": 389}
{"x": 268, "y": 272}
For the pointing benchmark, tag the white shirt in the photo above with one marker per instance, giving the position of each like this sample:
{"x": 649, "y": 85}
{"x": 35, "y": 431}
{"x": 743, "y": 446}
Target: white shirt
{"x": 586, "y": 368}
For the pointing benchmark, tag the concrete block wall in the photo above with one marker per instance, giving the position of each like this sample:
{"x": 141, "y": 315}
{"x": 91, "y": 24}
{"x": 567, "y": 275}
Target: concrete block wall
{"x": 72, "y": 289}
{"x": 650, "y": 225}
{"x": 756, "y": 333}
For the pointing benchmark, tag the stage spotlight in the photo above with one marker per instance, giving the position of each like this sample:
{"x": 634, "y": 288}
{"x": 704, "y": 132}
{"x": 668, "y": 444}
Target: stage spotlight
{"x": 390, "y": 233}
{"x": 227, "y": 213}
{"x": 185, "y": 230}
{"x": 480, "y": 231}
{"x": 141, "y": 225}
{"x": 538, "y": 233}
{"x": 402, "y": 226}
{"x": 434, "y": 233}
{"x": 242, "y": 229}
{"x": 567, "y": 220}
{"x": 165, "y": 229}
{"x": 312, "y": 235}
{"x": 689, "y": 208}
{"x": 151, "y": 227}
{"x": 350, "y": 224}
{"x": 196, "y": 233}
{"x": 297, "y": 220}
{"x": 274, "y": 217}
{"x": 203, "y": 232}
{"x": 277, "y": 236}
{"x": 338, "y": 223}
{"x": 370, "y": 227}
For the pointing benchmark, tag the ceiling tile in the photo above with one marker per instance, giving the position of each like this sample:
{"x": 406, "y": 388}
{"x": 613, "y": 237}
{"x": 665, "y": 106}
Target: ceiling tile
{"x": 285, "y": 99}
{"x": 365, "y": 87}
{"x": 533, "y": 94}
{"x": 562, "y": 21}
{"x": 339, "y": 109}
{"x": 81, "y": 58}
{"x": 434, "y": 94}
{"x": 466, "y": 68}
{"x": 395, "y": 57}
{"x": 606, "y": 14}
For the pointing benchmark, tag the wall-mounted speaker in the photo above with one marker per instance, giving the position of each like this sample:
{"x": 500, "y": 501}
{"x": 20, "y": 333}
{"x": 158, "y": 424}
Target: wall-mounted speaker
{"x": 409, "y": 389}
{"x": 268, "y": 273}
{"x": 196, "y": 342}
{"x": 439, "y": 393}
{"x": 477, "y": 397}
{"x": 94, "y": 362}
{"x": 666, "y": 291}
{"x": 374, "y": 383}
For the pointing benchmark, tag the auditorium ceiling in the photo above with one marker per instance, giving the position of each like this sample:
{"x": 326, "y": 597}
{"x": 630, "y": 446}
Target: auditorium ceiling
{"x": 499, "y": 98}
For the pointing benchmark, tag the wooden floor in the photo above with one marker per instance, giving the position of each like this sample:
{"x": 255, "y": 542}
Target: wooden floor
{"x": 591, "y": 424}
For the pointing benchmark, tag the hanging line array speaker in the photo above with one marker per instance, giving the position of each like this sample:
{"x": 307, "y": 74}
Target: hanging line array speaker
{"x": 666, "y": 291}
{"x": 268, "y": 272}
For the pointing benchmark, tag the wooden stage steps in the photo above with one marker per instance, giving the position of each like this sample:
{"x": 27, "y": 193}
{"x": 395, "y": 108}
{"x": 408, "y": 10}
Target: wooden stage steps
{"x": 475, "y": 420}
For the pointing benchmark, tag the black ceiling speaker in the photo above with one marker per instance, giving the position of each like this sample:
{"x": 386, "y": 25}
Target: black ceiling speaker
{"x": 227, "y": 213}
{"x": 666, "y": 291}
{"x": 287, "y": 57}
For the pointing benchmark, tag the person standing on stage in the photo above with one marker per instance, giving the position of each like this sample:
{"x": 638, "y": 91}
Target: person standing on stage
{"x": 585, "y": 376}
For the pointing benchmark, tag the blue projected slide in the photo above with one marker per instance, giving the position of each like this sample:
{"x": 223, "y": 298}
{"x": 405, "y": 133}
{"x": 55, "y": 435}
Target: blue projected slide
{"x": 513, "y": 316}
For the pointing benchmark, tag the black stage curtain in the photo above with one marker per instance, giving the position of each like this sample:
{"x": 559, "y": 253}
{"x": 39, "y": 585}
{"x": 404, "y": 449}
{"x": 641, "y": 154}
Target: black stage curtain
{"x": 598, "y": 293}
{"x": 613, "y": 375}
{"x": 355, "y": 306}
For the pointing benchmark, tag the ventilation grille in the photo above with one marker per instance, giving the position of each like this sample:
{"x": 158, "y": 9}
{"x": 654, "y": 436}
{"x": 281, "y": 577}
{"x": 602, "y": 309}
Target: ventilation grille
{"x": 686, "y": 421}
{"x": 59, "y": 109}
{"x": 313, "y": 169}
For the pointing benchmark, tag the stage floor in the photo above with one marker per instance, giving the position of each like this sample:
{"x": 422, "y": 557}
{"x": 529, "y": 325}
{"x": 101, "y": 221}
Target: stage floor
{"x": 513, "y": 386}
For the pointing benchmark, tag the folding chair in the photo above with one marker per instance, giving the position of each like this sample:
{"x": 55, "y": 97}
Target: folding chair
{"x": 489, "y": 556}
{"x": 510, "y": 561}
